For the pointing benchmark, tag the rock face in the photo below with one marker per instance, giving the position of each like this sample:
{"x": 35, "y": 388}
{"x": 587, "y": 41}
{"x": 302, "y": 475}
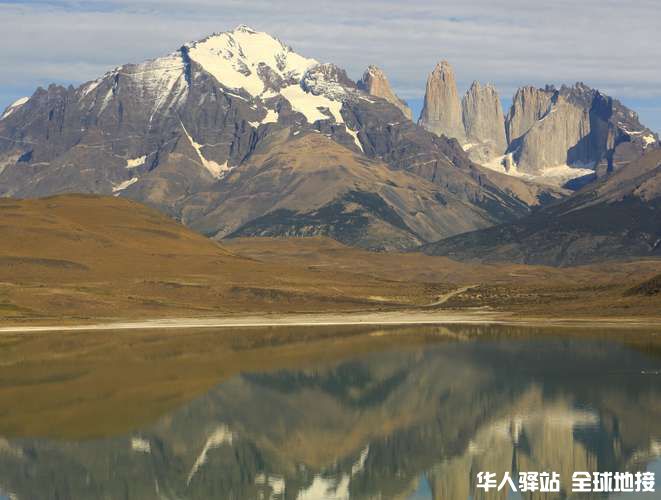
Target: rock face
{"x": 441, "y": 112}
{"x": 484, "y": 122}
{"x": 528, "y": 106}
{"x": 375, "y": 82}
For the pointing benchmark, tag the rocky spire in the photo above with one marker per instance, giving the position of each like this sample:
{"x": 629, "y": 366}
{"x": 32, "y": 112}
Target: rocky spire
{"x": 529, "y": 105}
{"x": 483, "y": 117}
{"x": 441, "y": 113}
{"x": 376, "y": 83}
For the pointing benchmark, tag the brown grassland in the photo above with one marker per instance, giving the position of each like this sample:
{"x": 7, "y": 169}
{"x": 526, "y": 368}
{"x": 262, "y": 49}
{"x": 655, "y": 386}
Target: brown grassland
{"x": 75, "y": 258}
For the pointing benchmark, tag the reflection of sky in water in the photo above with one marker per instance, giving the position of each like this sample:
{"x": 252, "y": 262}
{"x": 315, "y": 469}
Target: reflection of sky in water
{"x": 408, "y": 424}
{"x": 423, "y": 492}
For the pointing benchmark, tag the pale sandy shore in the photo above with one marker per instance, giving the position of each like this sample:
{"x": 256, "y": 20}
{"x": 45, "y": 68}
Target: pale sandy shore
{"x": 345, "y": 319}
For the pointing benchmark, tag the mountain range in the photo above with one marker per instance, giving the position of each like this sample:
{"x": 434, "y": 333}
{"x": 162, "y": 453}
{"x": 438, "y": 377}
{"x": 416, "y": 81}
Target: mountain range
{"x": 549, "y": 135}
{"x": 239, "y": 135}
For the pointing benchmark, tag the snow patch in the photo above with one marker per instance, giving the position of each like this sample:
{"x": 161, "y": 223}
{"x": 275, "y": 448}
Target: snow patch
{"x": 117, "y": 188}
{"x": 648, "y": 140}
{"x": 560, "y": 174}
{"x": 140, "y": 445}
{"x": 309, "y": 104}
{"x": 91, "y": 86}
{"x": 557, "y": 175}
{"x": 354, "y": 134}
{"x": 360, "y": 463}
{"x": 328, "y": 489}
{"x": 215, "y": 169}
{"x": 220, "y": 436}
{"x": 271, "y": 117}
{"x": 8, "y": 161}
{"x": 276, "y": 483}
{"x": 624, "y": 129}
{"x": 334, "y": 488}
{"x": 14, "y": 106}
{"x": 136, "y": 162}
{"x": 106, "y": 100}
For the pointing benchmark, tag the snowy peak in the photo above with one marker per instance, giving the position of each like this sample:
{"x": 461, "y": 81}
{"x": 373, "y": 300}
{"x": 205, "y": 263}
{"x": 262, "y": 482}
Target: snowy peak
{"x": 245, "y": 28}
{"x": 247, "y": 59}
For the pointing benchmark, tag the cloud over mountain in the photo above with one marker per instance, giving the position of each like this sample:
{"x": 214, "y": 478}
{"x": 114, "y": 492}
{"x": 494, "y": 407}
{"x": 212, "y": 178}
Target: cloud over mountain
{"x": 608, "y": 44}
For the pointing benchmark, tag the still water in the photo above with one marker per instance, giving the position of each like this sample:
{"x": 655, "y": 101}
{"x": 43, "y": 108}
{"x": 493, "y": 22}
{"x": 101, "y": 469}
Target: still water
{"x": 415, "y": 422}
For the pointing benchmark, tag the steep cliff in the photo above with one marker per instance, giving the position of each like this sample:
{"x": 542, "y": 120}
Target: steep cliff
{"x": 484, "y": 123}
{"x": 441, "y": 112}
{"x": 375, "y": 82}
{"x": 529, "y": 105}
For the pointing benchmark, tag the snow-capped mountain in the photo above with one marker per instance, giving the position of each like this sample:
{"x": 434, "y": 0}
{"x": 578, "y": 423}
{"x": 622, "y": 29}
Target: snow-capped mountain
{"x": 221, "y": 115}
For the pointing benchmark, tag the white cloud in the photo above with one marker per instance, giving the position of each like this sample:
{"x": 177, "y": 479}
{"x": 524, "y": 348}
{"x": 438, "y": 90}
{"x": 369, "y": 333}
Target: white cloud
{"x": 610, "y": 44}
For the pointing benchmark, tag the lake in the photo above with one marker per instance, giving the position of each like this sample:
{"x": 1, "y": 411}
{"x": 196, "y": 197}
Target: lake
{"x": 393, "y": 414}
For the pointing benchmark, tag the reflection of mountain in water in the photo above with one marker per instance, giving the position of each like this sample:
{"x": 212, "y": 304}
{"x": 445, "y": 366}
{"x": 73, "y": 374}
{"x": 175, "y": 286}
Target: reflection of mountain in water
{"x": 372, "y": 427}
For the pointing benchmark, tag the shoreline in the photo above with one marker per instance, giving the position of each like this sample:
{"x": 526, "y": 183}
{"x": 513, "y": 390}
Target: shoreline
{"x": 391, "y": 318}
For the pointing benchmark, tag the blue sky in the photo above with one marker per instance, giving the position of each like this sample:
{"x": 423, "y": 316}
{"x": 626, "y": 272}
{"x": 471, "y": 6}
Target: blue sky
{"x": 612, "y": 45}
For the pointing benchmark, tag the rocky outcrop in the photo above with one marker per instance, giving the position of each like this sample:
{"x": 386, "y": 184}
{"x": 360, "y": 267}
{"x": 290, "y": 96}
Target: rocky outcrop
{"x": 574, "y": 126}
{"x": 441, "y": 112}
{"x": 553, "y": 140}
{"x": 375, "y": 82}
{"x": 528, "y": 106}
{"x": 327, "y": 80}
{"x": 484, "y": 122}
